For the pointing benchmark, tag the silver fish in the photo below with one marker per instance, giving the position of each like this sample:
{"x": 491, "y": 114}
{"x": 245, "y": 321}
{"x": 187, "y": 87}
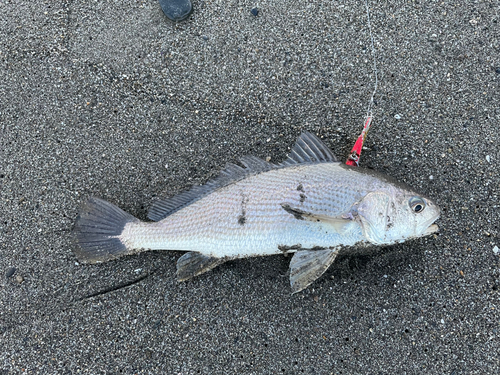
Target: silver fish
{"x": 311, "y": 205}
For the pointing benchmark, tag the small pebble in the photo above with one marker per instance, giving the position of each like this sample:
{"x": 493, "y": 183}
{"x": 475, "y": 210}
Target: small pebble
{"x": 496, "y": 250}
{"x": 255, "y": 11}
{"x": 431, "y": 177}
{"x": 397, "y": 117}
{"x": 19, "y": 279}
{"x": 488, "y": 159}
{"x": 176, "y": 10}
{"x": 204, "y": 37}
{"x": 11, "y": 271}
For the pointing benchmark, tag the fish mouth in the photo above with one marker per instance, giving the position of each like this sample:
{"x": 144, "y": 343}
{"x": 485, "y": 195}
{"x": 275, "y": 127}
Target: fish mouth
{"x": 431, "y": 229}
{"x": 431, "y": 226}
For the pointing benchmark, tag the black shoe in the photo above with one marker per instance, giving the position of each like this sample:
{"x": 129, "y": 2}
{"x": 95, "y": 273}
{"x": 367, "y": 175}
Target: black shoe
{"x": 176, "y": 10}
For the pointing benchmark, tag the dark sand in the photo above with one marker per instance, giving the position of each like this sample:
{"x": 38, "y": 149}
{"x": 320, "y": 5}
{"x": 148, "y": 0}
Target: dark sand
{"x": 110, "y": 98}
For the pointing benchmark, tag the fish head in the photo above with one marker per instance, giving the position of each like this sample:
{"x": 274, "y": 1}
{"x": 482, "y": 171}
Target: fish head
{"x": 396, "y": 215}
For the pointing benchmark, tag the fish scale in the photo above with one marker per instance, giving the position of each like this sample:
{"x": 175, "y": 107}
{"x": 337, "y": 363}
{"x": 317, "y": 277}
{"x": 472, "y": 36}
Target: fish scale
{"x": 310, "y": 204}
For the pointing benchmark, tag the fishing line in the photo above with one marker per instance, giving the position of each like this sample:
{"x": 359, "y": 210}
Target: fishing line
{"x": 370, "y": 105}
{"x": 353, "y": 159}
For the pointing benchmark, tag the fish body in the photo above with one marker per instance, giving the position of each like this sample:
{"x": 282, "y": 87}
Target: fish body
{"x": 260, "y": 215}
{"x": 310, "y": 205}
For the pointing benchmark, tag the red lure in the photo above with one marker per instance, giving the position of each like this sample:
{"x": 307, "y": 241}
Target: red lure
{"x": 354, "y": 156}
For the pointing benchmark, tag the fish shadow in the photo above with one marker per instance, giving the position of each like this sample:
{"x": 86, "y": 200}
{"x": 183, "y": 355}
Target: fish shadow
{"x": 365, "y": 265}
{"x": 373, "y": 263}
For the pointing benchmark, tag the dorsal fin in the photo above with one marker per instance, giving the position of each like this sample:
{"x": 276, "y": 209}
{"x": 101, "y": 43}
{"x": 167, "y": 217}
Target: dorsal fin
{"x": 309, "y": 149}
{"x": 256, "y": 164}
{"x": 232, "y": 173}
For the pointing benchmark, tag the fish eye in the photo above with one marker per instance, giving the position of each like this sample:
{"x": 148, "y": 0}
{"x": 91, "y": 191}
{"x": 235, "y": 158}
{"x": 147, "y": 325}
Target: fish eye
{"x": 417, "y": 204}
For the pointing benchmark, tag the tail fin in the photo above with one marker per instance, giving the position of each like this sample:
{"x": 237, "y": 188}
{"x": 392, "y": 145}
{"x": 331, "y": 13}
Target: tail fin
{"x": 97, "y": 229}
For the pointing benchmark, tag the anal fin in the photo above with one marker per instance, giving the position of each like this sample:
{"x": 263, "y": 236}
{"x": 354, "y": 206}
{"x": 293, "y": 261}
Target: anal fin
{"x": 193, "y": 264}
{"x": 307, "y": 265}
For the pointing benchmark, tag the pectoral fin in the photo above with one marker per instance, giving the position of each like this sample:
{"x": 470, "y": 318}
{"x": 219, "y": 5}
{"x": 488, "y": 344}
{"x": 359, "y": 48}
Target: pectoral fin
{"x": 339, "y": 224}
{"x": 307, "y": 265}
{"x": 193, "y": 264}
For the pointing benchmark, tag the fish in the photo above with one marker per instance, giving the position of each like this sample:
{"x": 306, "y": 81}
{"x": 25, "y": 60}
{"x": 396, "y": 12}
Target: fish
{"x": 310, "y": 205}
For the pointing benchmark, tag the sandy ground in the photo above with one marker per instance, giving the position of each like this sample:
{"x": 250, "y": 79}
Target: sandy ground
{"x": 110, "y": 98}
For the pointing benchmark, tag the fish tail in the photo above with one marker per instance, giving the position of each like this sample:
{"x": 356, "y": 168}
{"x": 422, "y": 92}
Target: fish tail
{"x": 98, "y": 229}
